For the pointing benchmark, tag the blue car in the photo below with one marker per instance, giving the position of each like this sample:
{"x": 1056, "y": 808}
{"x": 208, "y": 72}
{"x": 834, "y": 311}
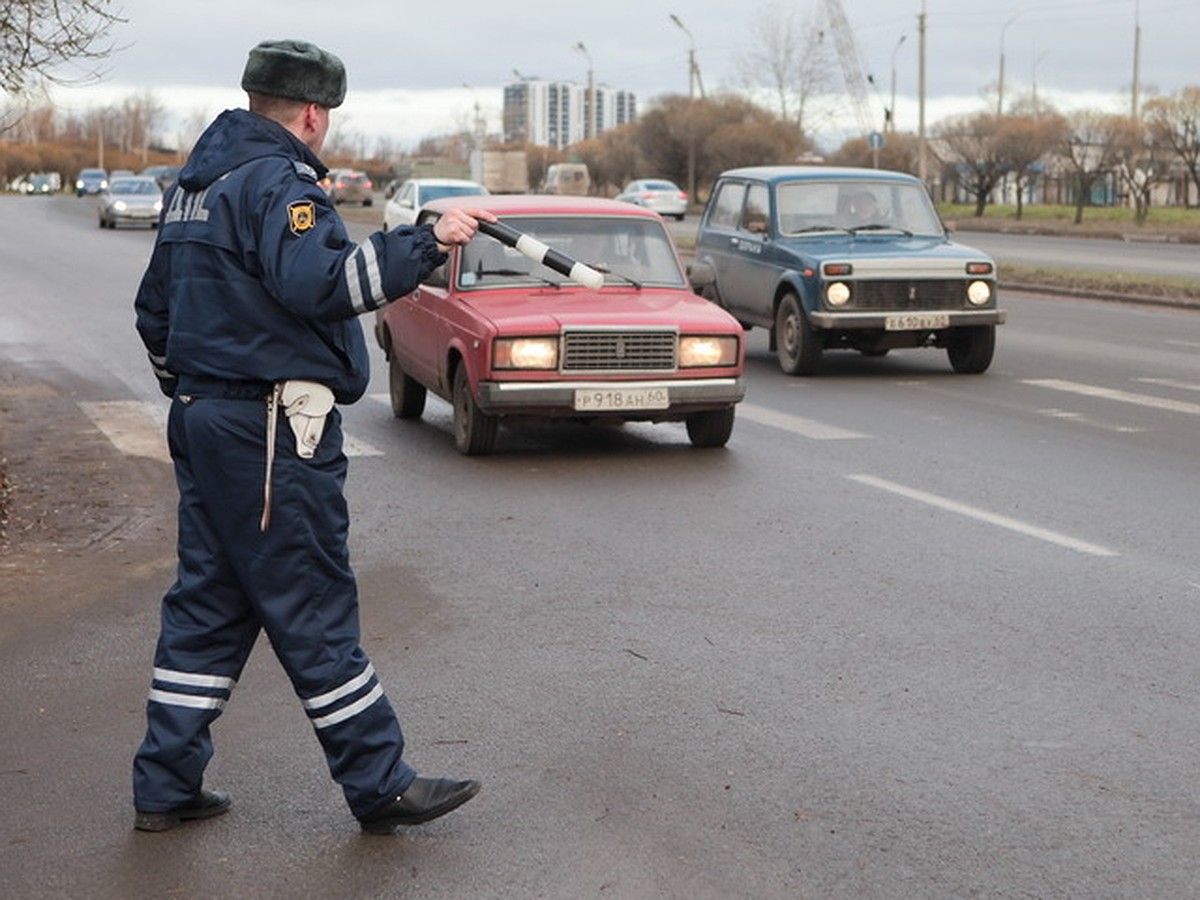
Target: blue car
{"x": 842, "y": 258}
{"x": 91, "y": 181}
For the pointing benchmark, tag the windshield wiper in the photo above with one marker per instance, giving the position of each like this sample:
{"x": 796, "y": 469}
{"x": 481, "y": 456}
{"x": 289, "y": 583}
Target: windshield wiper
{"x": 605, "y": 270}
{"x": 879, "y": 227}
{"x": 516, "y": 273}
{"x": 812, "y": 229}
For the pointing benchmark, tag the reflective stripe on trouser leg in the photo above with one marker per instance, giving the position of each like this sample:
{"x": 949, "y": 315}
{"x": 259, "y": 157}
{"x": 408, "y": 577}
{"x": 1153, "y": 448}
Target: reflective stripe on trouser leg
{"x": 362, "y": 740}
{"x": 309, "y": 607}
{"x": 206, "y": 633}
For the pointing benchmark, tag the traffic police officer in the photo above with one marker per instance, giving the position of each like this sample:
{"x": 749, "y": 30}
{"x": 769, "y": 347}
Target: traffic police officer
{"x": 247, "y": 309}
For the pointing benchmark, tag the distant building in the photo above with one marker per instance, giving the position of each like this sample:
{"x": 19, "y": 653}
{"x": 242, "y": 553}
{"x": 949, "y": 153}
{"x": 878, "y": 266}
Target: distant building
{"x": 555, "y": 113}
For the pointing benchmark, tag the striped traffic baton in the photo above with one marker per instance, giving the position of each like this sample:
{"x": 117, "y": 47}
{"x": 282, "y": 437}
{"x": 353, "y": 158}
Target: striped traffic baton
{"x": 528, "y": 245}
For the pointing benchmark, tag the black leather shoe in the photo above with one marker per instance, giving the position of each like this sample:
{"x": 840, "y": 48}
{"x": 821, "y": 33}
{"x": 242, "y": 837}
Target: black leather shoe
{"x": 425, "y": 799}
{"x": 205, "y": 805}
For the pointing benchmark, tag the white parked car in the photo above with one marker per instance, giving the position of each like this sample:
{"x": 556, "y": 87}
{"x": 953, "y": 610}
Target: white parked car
{"x": 402, "y": 206}
{"x": 658, "y": 194}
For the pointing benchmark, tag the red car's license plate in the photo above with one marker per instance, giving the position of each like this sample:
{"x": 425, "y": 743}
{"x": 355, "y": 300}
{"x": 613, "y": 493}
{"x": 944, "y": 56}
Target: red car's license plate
{"x": 597, "y": 400}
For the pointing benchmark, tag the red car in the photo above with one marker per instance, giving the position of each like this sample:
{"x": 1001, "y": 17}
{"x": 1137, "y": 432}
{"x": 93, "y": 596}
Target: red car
{"x": 502, "y": 337}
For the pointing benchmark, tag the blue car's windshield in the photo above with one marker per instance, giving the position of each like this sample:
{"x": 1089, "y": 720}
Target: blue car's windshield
{"x": 856, "y": 205}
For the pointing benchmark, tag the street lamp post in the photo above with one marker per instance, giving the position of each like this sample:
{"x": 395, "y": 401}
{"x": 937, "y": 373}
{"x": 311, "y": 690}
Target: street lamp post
{"x": 1037, "y": 62}
{"x": 693, "y": 68}
{"x": 693, "y": 83}
{"x": 1000, "y": 83}
{"x": 891, "y": 122}
{"x": 589, "y": 118}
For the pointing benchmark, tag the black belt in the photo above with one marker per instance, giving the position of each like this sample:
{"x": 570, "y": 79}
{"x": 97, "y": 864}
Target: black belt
{"x": 224, "y": 388}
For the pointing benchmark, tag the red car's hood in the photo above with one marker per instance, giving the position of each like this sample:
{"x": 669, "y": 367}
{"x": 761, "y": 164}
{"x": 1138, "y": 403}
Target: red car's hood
{"x": 539, "y": 311}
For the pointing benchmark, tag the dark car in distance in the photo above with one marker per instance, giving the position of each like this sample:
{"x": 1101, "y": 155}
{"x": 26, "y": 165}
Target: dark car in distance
{"x": 350, "y": 186}
{"x": 90, "y": 181}
{"x": 843, "y": 258}
{"x": 163, "y": 175}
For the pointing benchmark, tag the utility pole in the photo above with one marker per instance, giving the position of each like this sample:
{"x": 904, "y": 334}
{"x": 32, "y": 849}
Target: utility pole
{"x": 891, "y": 119}
{"x": 589, "y": 119}
{"x": 921, "y": 150}
{"x": 1000, "y": 83}
{"x": 1037, "y": 62}
{"x": 1137, "y": 53}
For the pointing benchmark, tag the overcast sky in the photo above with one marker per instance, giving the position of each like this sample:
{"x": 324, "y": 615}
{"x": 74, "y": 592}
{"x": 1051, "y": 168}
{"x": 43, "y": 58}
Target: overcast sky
{"x": 417, "y": 69}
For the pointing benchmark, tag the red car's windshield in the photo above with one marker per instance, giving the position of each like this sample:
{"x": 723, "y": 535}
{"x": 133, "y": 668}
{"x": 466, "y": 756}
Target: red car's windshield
{"x": 633, "y": 247}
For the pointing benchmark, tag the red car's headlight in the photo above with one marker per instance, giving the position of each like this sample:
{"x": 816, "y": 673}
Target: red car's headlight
{"x": 707, "y": 350}
{"x": 525, "y": 353}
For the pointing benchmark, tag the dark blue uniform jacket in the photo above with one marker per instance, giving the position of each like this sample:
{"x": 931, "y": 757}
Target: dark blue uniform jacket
{"x": 253, "y": 276}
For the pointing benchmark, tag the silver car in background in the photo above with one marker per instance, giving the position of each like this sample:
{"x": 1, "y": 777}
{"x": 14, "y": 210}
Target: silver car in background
{"x": 658, "y": 194}
{"x": 136, "y": 199}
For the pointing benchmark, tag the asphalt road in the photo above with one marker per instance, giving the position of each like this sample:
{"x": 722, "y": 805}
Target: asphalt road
{"x": 910, "y": 633}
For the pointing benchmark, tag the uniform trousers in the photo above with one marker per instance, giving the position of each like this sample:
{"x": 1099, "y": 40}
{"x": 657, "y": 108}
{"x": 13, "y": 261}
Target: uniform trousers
{"x": 292, "y": 581}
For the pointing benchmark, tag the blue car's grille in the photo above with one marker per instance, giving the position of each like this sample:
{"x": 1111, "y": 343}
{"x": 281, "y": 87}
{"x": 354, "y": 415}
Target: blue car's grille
{"x": 938, "y": 293}
{"x": 618, "y": 351}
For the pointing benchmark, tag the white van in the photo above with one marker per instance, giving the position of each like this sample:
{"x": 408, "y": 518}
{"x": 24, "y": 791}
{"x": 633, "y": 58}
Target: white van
{"x": 567, "y": 178}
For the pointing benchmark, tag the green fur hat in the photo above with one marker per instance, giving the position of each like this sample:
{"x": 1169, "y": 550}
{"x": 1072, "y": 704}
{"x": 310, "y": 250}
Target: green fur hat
{"x": 296, "y": 70}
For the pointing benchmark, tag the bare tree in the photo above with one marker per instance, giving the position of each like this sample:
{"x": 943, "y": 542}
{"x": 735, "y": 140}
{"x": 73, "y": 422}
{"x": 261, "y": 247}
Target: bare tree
{"x": 1026, "y": 141}
{"x": 1175, "y": 122}
{"x": 37, "y": 36}
{"x": 1142, "y": 163}
{"x": 693, "y": 141}
{"x": 141, "y": 117}
{"x": 788, "y": 58}
{"x": 1090, "y": 151}
{"x": 976, "y": 145}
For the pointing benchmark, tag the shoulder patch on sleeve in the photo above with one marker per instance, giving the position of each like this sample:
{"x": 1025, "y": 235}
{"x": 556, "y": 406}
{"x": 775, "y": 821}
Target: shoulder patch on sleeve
{"x": 302, "y": 215}
{"x": 305, "y": 171}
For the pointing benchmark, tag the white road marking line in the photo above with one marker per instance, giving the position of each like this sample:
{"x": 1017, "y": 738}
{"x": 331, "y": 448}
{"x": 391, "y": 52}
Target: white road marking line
{"x": 1171, "y": 383}
{"x": 135, "y": 427}
{"x": 352, "y": 446}
{"x": 1090, "y": 390}
{"x": 809, "y": 428}
{"x": 981, "y": 515}
{"x": 1084, "y": 420}
{"x": 1183, "y": 343}
{"x": 138, "y": 428}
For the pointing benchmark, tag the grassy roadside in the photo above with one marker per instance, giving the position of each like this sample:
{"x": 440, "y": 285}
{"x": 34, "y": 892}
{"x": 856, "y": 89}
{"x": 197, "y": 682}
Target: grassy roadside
{"x": 1185, "y": 291}
{"x": 1102, "y": 223}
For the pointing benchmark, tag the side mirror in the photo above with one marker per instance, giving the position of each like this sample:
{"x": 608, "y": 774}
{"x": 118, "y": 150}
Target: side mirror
{"x": 701, "y": 275}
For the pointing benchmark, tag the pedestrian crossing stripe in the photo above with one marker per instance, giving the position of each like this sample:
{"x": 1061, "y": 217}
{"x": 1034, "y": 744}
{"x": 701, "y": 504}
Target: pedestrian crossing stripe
{"x": 1090, "y": 390}
{"x": 138, "y": 428}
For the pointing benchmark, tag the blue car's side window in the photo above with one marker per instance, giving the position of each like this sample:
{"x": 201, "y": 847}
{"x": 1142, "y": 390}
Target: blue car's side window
{"x": 727, "y": 210}
{"x": 757, "y": 216}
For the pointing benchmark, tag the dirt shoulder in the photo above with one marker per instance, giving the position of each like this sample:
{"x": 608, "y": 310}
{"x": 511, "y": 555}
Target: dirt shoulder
{"x": 76, "y": 516}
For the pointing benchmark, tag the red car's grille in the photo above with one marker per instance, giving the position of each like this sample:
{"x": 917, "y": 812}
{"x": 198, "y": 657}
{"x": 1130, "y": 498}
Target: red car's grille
{"x": 618, "y": 351}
